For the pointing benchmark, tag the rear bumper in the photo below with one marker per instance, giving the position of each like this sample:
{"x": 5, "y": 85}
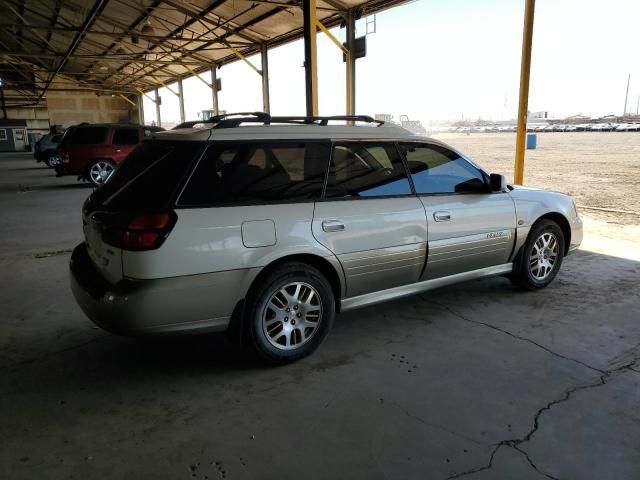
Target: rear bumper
{"x": 161, "y": 306}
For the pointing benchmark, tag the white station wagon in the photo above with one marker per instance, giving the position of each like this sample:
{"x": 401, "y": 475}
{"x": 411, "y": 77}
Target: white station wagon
{"x": 277, "y": 223}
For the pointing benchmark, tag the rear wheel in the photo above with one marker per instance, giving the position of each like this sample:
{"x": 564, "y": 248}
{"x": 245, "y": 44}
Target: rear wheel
{"x": 290, "y": 313}
{"x": 541, "y": 256}
{"x": 100, "y": 172}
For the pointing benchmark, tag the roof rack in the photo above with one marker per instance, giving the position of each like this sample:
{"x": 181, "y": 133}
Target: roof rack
{"x": 231, "y": 120}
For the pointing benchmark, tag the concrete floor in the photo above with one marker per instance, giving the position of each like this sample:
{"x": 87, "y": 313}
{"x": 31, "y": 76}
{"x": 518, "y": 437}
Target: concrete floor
{"x": 476, "y": 381}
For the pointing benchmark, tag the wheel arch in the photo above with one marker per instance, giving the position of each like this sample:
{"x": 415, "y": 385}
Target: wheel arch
{"x": 564, "y": 225}
{"x": 325, "y": 266}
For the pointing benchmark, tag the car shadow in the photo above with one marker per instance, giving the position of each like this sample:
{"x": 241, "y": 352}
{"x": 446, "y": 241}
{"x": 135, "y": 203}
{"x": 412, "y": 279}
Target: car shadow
{"x": 65, "y": 186}
{"x": 493, "y": 302}
{"x": 35, "y": 167}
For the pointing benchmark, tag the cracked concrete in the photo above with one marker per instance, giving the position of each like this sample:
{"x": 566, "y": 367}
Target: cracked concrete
{"x": 476, "y": 381}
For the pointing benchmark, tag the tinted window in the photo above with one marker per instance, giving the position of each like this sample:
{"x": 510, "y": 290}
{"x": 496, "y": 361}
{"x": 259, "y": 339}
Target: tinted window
{"x": 366, "y": 170}
{"x": 88, "y": 135}
{"x": 257, "y": 172}
{"x": 56, "y": 138}
{"x": 148, "y": 177}
{"x": 435, "y": 169}
{"x": 125, "y": 136}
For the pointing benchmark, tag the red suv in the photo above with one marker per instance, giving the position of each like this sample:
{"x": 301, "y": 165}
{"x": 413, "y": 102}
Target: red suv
{"x": 92, "y": 151}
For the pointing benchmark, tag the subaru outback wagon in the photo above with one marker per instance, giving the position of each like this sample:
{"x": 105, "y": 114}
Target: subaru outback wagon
{"x": 281, "y": 222}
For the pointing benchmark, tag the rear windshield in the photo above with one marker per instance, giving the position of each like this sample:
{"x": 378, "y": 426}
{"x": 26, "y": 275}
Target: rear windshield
{"x": 148, "y": 177}
{"x": 87, "y": 135}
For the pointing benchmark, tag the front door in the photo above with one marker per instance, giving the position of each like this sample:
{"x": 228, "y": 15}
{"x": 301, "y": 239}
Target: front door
{"x": 124, "y": 139}
{"x": 370, "y": 219}
{"x": 469, "y": 227}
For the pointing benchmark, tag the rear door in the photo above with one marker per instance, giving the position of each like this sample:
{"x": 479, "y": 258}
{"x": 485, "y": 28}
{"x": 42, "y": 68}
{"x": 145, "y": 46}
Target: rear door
{"x": 370, "y": 219}
{"x": 469, "y": 227}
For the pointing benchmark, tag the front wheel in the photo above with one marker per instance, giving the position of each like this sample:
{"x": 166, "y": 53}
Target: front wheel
{"x": 100, "y": 172}
{"x": 290, "y": 313}
{"x": 541, "y": 256}
{"x": 52, "y": 160}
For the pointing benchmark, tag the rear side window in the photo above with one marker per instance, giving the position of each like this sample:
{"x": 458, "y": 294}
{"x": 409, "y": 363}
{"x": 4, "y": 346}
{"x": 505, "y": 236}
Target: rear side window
{"x": 88, "y": 135}
{"x": 148, "y": 177}
{"x": 125, "y": 136}
{"x": 241, "y": 173}
{"x": 56, "y": 138}
{"x": 366, "y": 170}
{"x": 436, "y": 169}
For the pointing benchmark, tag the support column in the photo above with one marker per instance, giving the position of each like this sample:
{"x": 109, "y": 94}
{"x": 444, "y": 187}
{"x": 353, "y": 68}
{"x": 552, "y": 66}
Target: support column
{"x": 310, "y": 54}
{"x": 214, "y": 89}
{"x": 265, "y": 78}
{"x": 523, "y": 104}
{"x": 181, "y": 99}
{"x": 351, "y": 64}
{"x": 140, "y": 109}
{"x": 157, "y": 101}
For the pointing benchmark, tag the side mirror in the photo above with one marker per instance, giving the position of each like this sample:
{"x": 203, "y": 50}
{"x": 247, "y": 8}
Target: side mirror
{"x": 497, "y": 182}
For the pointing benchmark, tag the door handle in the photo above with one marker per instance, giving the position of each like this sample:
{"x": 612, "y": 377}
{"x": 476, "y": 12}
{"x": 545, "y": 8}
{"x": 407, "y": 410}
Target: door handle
{"x": 442, "y": 216}
{"x": 332, "y": 226}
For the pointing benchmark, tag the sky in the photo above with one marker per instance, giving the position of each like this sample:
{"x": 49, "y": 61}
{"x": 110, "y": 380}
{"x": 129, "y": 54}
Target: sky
{"x": 447, "y": 60}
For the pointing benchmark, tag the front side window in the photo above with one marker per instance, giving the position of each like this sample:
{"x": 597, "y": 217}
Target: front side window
{"x": 436, "y": 169}
{"x": 125, "y": 136}
{"x": 241, "y": 173}
{"x": 366, "y": 170}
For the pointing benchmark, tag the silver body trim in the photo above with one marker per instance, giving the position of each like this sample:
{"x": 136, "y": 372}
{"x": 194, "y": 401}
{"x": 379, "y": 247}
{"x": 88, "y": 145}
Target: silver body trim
{"x": 413, "y": 288}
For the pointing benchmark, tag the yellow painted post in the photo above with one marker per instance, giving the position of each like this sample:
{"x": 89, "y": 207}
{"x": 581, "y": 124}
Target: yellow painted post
{"x": 350, "y": 64}
{"x": 310, "y": 56}
{"x": 523, "y": 104}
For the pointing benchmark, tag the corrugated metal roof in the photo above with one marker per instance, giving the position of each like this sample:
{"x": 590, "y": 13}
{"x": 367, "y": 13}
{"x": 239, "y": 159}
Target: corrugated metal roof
{"x": 123, "y": 46}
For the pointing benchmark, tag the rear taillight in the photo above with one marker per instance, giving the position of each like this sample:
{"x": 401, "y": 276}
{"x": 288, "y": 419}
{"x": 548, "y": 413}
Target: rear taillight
{"x": 64, "y": 156}
{"x": 145, "y": 231}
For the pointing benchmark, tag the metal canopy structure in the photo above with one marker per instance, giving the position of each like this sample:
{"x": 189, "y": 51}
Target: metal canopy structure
{"x": 132, "y": 46}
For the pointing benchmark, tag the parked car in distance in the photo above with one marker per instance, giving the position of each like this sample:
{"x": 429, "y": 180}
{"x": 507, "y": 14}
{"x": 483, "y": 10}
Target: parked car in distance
{"x": 274, "y": 224}
{"x": 46, "y": 149}
{"x": 92, "y": 151}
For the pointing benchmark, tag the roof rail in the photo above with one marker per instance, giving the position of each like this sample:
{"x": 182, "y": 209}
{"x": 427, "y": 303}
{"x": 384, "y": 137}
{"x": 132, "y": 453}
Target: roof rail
{"x": 231, "y": 120}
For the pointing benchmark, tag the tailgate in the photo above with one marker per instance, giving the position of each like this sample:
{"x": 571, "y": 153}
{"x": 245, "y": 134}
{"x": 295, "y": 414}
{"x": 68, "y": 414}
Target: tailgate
{"x": 106, "y": 258}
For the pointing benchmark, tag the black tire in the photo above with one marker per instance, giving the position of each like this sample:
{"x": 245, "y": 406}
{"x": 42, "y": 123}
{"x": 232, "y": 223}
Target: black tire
{"x": 49, "y": 158}
{"x": 102, "y": 164}
{"x": 271, "y": 329}
{"x": 527, "y": 272}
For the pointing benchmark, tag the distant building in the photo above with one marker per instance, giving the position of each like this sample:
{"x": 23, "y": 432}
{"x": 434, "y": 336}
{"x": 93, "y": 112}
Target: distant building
{"x": 414, "y": 126}
{"x": 385, "y": 117}
{"x": 13, "y": 135}
{"x": 538, "y": 115}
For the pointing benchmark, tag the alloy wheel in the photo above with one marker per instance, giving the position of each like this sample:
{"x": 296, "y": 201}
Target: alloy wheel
{"x": 544, "y": 256}
{"x": 100, "y": 172}
{"x": 292, "y": 315}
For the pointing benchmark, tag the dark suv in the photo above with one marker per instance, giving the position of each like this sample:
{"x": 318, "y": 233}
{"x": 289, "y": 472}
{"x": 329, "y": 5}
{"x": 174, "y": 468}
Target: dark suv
{"x": 46, "y": 149}
{"x": 92, "y": 151}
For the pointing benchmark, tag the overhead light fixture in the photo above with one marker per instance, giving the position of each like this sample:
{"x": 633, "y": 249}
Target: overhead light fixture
{"x": 148, "y": 29}
{"x": 104, "y": 68}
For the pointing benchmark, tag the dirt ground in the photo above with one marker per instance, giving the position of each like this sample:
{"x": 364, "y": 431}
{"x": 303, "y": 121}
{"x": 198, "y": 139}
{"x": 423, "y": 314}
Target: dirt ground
{"x": 600, "y": 170}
